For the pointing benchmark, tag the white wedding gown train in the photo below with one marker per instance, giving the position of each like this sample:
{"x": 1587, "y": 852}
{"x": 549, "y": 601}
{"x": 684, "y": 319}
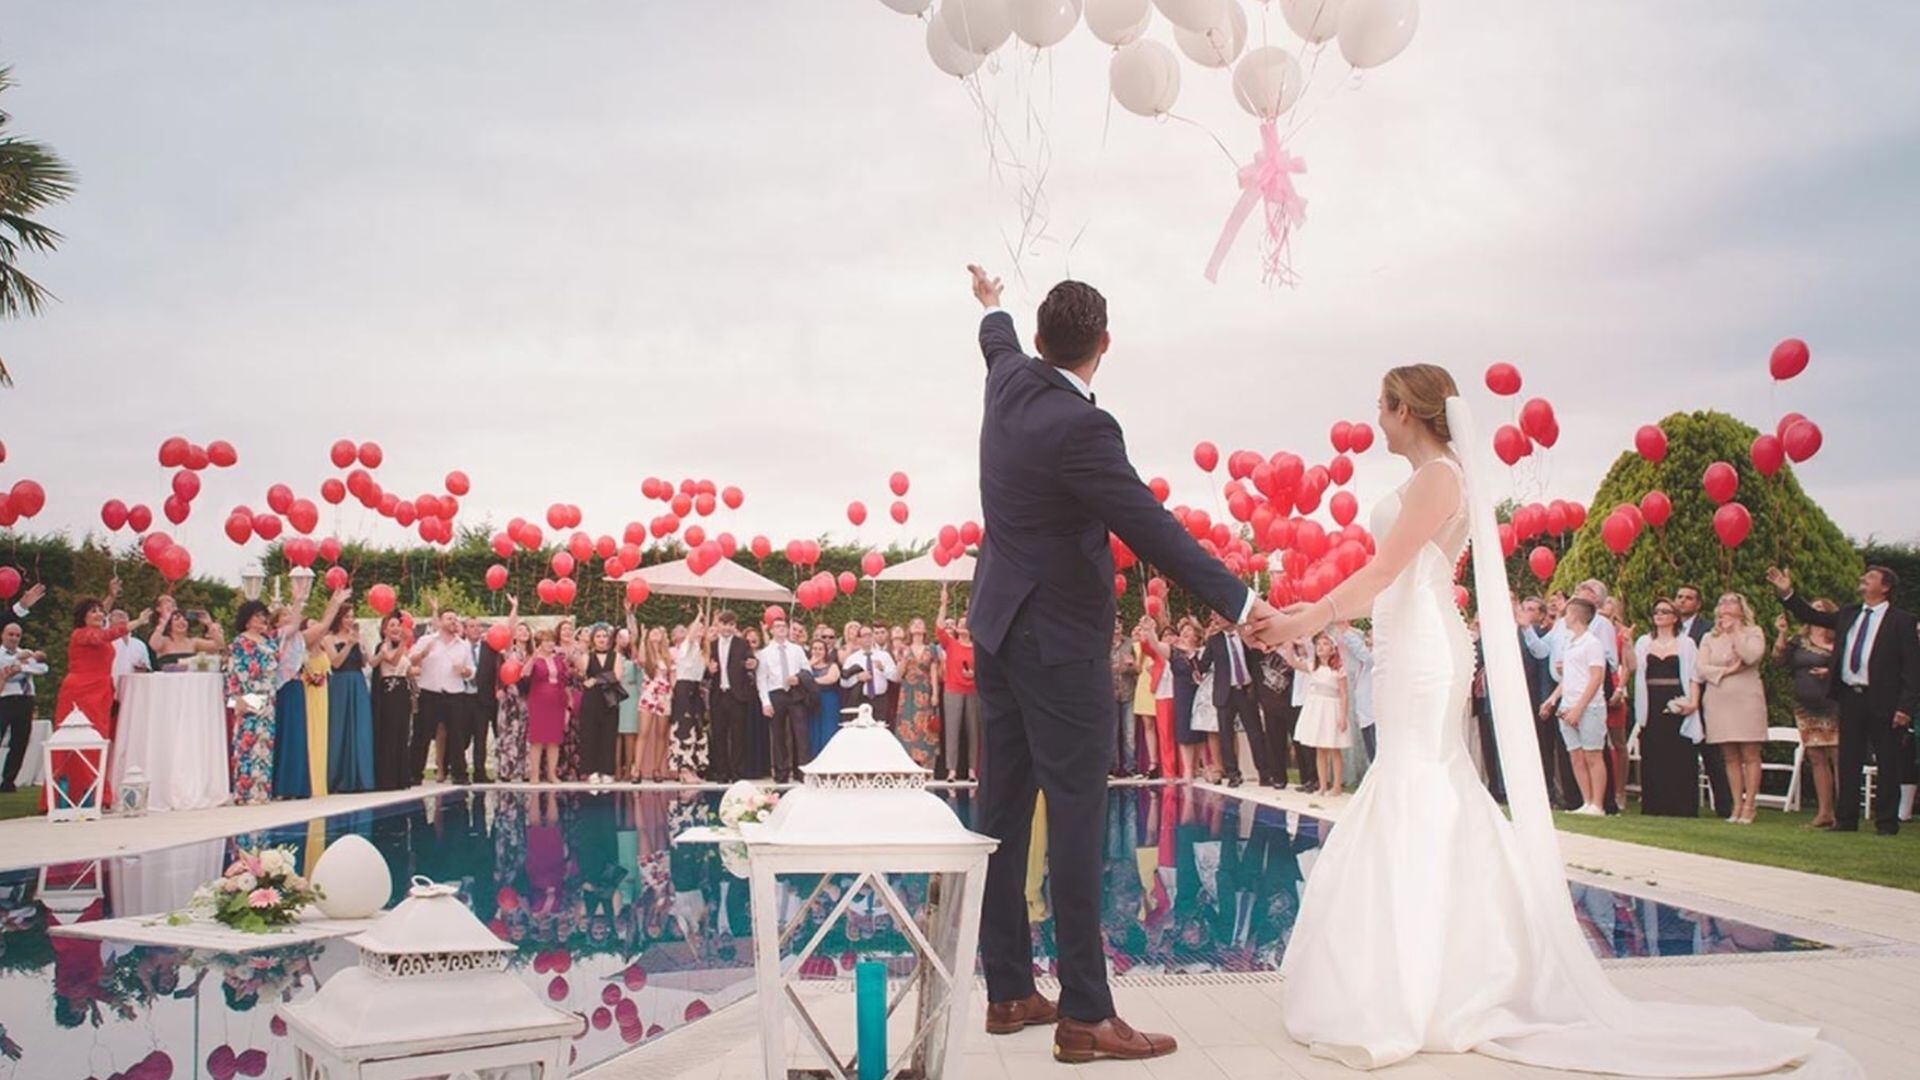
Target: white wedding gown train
{"x": 1432, "y": 923}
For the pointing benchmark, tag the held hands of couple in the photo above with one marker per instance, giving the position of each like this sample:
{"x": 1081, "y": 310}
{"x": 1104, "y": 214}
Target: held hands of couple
{"x": 1271, "y": 627}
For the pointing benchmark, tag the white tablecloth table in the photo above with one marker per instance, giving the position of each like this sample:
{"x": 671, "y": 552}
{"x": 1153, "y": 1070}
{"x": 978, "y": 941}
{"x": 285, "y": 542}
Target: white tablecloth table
{"x": 174, "y": 726}
{"x": 37, "y": 733}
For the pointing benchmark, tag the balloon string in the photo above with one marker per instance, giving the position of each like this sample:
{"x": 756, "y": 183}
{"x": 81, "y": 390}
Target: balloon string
{"x": 1208, "y": 132}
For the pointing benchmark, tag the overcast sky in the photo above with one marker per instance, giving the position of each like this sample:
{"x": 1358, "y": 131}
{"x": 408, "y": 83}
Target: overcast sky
{"x": 564, "y": 246}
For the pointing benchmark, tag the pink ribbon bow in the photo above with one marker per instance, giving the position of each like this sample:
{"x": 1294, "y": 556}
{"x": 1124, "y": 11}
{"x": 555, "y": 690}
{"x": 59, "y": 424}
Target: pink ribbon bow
{"x": 1269, "y": 180}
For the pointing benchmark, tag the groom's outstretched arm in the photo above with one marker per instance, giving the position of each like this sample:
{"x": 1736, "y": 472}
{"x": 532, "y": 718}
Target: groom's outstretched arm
{"x": 998, "y": 339}
{"x": 1096, "y": 470}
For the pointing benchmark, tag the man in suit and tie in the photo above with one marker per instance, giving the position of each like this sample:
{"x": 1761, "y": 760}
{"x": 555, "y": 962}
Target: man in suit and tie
{"x": 730, "y": 684}
{"x": 1876, "y": 680}
{"x": 1054, "y": 482}
{"x": 866, "y": 674}
{"x": 1235, "y": 699}
{"x": 1686, "y": 604}
{"x": 486, "y": 701}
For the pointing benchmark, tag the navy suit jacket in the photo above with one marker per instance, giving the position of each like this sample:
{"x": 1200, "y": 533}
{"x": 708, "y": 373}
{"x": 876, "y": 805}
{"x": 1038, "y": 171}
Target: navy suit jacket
{"x": 1054, "y": 479}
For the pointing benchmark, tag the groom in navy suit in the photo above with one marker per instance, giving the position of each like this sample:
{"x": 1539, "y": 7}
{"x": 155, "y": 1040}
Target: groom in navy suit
{"x": 1054, "y": 480}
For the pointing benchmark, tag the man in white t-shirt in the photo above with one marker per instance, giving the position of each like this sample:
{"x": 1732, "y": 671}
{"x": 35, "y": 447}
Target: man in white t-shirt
{"x": 1580, "y": 703}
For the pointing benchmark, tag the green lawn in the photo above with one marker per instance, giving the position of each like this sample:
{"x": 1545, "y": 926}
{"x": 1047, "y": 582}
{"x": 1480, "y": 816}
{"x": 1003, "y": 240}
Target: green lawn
{"x": 1774, "y": 839}
{"x": 22, "y": 803}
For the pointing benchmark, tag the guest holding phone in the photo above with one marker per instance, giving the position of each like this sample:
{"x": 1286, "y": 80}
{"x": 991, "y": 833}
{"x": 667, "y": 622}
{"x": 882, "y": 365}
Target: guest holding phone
{"x": 174, "y": 643}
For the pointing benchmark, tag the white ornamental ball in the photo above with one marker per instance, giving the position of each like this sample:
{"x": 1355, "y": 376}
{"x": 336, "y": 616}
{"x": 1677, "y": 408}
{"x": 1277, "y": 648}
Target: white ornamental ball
{"x": 353, "y": 879}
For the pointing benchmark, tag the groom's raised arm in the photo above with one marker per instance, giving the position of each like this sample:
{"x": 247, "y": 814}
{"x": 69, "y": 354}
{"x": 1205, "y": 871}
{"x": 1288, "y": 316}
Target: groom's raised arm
{"x": 1095, "y": 468}
{"x": 998, "y": 339}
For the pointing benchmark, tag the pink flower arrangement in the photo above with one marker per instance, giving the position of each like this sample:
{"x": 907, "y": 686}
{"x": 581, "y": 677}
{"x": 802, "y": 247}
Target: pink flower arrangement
{"x": 263, "y": 898}
{"x": 260, "y": 889}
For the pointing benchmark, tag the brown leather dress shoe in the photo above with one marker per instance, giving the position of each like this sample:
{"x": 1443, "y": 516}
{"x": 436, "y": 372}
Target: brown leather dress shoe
{"x": 1076, "y": 1041}
{"x": 1008, "y": 1017}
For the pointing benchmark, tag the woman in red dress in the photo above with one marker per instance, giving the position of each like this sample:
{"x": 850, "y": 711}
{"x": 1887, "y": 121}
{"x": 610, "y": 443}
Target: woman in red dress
{"x": 88, "y": 686}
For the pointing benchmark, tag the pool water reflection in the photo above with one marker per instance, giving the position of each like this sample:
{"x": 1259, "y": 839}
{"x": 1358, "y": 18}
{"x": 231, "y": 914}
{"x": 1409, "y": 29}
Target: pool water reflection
{"x": 639, "y": 937}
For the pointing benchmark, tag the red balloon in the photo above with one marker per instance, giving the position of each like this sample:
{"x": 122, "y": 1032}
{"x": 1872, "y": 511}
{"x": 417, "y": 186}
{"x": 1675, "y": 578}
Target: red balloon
{"x": 761, "y": 547}
{"x": 1510, "y": 444}
{"x": 1656, "y": 508}
{"x": 897, "y": 483}
{"x": 1310, "y": 539}
{"x": 510, "y": 672}
{"x": 301, "y": 551}
{"x": 545, "y": 591}
{"x": 1340, "y": 469}
{"x": 343, "y": 453}
{"x": 872, "y": 563}
{"x": 371, "y": 455}
{"x": 1160, "y": 488}
{"x": 695, "y": 536}
{"x": 1509, "y": 540}
{"x": 848, "y": 583}
{"x": 703, "y": 504}
{"x": 1341, "y": 436}
{"x": 502, "y": 545}
{"x": 174, "y": 507}
{"x": 565, "y": 590}
{"x": 1542, "y": 561}
{"x": 221, "y": 453}
{"x": 404, "y": 512}
{"x": 173, "y": 453}
{"x": 9, "y": 582}
{"x": 732, "y": 497}
{"x": 682, "y": 505}
{"x": 457, "y": 483}
{"x": 139, "y": 518}
{"x": 1557, "y": 518}
{"x": 175, "y": 563}
{"x": 1461, "y": 597}
{"x": 239, "y": 528}
{"x": 330, "y": 549}
{"x": 1206, "y": 455}
{"x": 498, "y": 637}
{"x": 279, "y": 498}
{"x": 857, "y": 513}
{"x": 196, "y": 457}
{"x": 337, "y": 579}
{"x": 637, "y": 591}
{"x": 1344, "y": 507}
{"x": 1503, "y": 379}
{"x": 970, "y": 533}
{"x": 1537, "y": 420}
{"x": 333, "y": 491}
{"x": 153, "y": 544}
{"x": 1802, "y": 440}
{"x": 1360, "y": 438}
{"x": 1119, "y": 585}
{"x": 1768, "y": 454}
{"x": 899, "y": 512}
{"x": 1786, "y": 422}
{"x": 185, "y": 484}
{"x": 562, "y": 564}
{"x": 1732, "y": 523}
{"x": 496, "y": 577}
{"x": 1789, "y": 359}
{"x": 113, "y": 514}
{"x": 303, "y": 515}
{"x": 1617, "y": 532}
{"x": 1651, "y": 442}
{"x": 1720, "y": 481}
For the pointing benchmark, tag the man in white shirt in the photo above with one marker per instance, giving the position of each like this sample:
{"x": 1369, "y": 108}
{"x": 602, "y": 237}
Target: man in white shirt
{"x": 783, "y": 702}
{"x": 130, "y": 654}
{"x": 445, "y": 662}
{"x": 1580, "y": 703}
{"x": 868, "y": 671}
{"x": 18, "y": 666}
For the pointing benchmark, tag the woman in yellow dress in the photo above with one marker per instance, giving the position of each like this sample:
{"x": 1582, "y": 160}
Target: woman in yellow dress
{"x": 314, "y": 673}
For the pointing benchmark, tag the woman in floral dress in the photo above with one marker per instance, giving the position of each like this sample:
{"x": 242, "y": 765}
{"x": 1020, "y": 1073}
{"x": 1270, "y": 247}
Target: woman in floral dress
{"x": 510, "y": 730}
{"x": 918, "y": 720}
{"x": 251, "y": 676}
{"x": 687, "y": 752}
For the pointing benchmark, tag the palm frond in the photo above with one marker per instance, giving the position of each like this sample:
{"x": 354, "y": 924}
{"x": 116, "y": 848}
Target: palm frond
{"x": 20, "y": 294}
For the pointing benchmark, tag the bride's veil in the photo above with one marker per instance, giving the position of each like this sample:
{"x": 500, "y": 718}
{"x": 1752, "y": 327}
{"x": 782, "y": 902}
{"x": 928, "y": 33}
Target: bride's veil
{"x": 1677, "y": 1040}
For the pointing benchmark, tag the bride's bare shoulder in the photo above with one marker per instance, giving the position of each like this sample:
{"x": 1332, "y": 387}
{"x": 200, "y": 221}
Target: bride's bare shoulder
{"x": 1435, "y": 489}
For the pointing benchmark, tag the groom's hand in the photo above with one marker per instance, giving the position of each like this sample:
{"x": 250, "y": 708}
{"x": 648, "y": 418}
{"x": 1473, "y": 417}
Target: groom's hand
{"x": 985, "y": 289}
{"x": 1263, "y": 622}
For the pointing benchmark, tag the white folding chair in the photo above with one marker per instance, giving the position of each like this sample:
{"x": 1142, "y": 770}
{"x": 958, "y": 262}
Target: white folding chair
{"x": 1866, "y": 799}
{"x": 1790, "y": 801}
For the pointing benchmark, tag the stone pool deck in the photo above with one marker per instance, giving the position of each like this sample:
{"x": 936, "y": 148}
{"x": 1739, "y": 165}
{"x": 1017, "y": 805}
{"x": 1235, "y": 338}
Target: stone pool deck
{"x": 1861, "y": 992}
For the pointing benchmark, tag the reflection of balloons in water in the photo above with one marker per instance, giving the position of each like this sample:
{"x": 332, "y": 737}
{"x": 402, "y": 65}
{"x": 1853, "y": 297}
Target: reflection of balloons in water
{"x": 1218, "y": 45}
{"x": 1267, "y": 81}
{"x": 1043, "y": 23}
{"x": 1373, "y": 32}
{"x": 1145, "y": 78}
{"x": 1314, "y": 20}
{"x": 1118, "y": 22}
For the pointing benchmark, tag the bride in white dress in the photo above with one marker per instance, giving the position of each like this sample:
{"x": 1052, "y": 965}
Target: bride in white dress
{"x": 1430, "y": 922}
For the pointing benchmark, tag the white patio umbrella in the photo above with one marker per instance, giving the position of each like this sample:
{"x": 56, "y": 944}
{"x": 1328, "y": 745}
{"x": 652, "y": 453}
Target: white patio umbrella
{"x": 925, "y": 569}
{"x": 728, "y": 580}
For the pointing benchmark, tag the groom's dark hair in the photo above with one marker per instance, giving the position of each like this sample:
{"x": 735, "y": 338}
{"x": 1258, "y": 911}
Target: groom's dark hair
{"x": 1072, "y": 319}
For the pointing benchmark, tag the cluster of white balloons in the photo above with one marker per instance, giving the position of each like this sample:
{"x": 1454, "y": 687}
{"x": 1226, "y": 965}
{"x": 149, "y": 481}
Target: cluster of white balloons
{"x": 1144, "y": 74}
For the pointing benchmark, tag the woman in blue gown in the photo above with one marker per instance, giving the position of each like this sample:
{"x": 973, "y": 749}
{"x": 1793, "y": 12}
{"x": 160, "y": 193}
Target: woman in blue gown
{"x": 349, "y": 709}
{"x": 826, "y": 681}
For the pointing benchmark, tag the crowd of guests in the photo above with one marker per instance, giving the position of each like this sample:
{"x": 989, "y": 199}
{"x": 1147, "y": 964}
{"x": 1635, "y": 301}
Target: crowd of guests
{"x": 314, "y": 709}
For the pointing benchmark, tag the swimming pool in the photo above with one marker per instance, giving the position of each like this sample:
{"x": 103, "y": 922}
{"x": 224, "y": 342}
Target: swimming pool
{"x": 640, "y": 938}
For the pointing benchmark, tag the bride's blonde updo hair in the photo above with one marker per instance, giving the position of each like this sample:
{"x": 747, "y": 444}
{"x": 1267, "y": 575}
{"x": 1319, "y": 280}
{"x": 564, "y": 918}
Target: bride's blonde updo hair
{"x": 1424, "y": 390}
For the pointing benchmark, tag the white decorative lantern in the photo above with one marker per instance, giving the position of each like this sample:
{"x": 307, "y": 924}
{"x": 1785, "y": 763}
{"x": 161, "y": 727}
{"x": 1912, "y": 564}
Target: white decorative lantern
{"x": 431, "y": 997}
{"x": 74, "y": 743}
{"x": 251, "y": 579}
{"x": 67, "y": 890}
{"x": 130, "y": 797}
{"x": 352, "y": 877}
{"x": 864, "y": 810}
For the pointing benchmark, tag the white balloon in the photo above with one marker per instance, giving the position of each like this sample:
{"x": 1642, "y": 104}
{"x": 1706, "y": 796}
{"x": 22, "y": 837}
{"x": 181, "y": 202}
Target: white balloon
{"x": 1145, "y": 77}
{"x": 353, "y": 879}
{"x": 1041, "y": 23}
{"x": 949, "y": 55}
{"x": 1118, "y": 22}
{"x": 908, "y": 7}
{"x": 1267, "y": 81}
{"x": 1373, "y": 32}
{"x": 1314, "y": 20}
{"x": 1217, "y": 46}
{"x": 1194, "y": 15}
{"x": 978, "y": 25}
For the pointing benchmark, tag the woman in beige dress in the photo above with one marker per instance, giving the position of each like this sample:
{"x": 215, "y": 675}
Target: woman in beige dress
{"x": 1736, "y": 701}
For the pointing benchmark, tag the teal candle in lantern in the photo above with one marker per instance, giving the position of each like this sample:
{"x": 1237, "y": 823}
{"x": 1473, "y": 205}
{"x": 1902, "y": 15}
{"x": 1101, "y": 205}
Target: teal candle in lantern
{"x": 870, "y": 1011}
